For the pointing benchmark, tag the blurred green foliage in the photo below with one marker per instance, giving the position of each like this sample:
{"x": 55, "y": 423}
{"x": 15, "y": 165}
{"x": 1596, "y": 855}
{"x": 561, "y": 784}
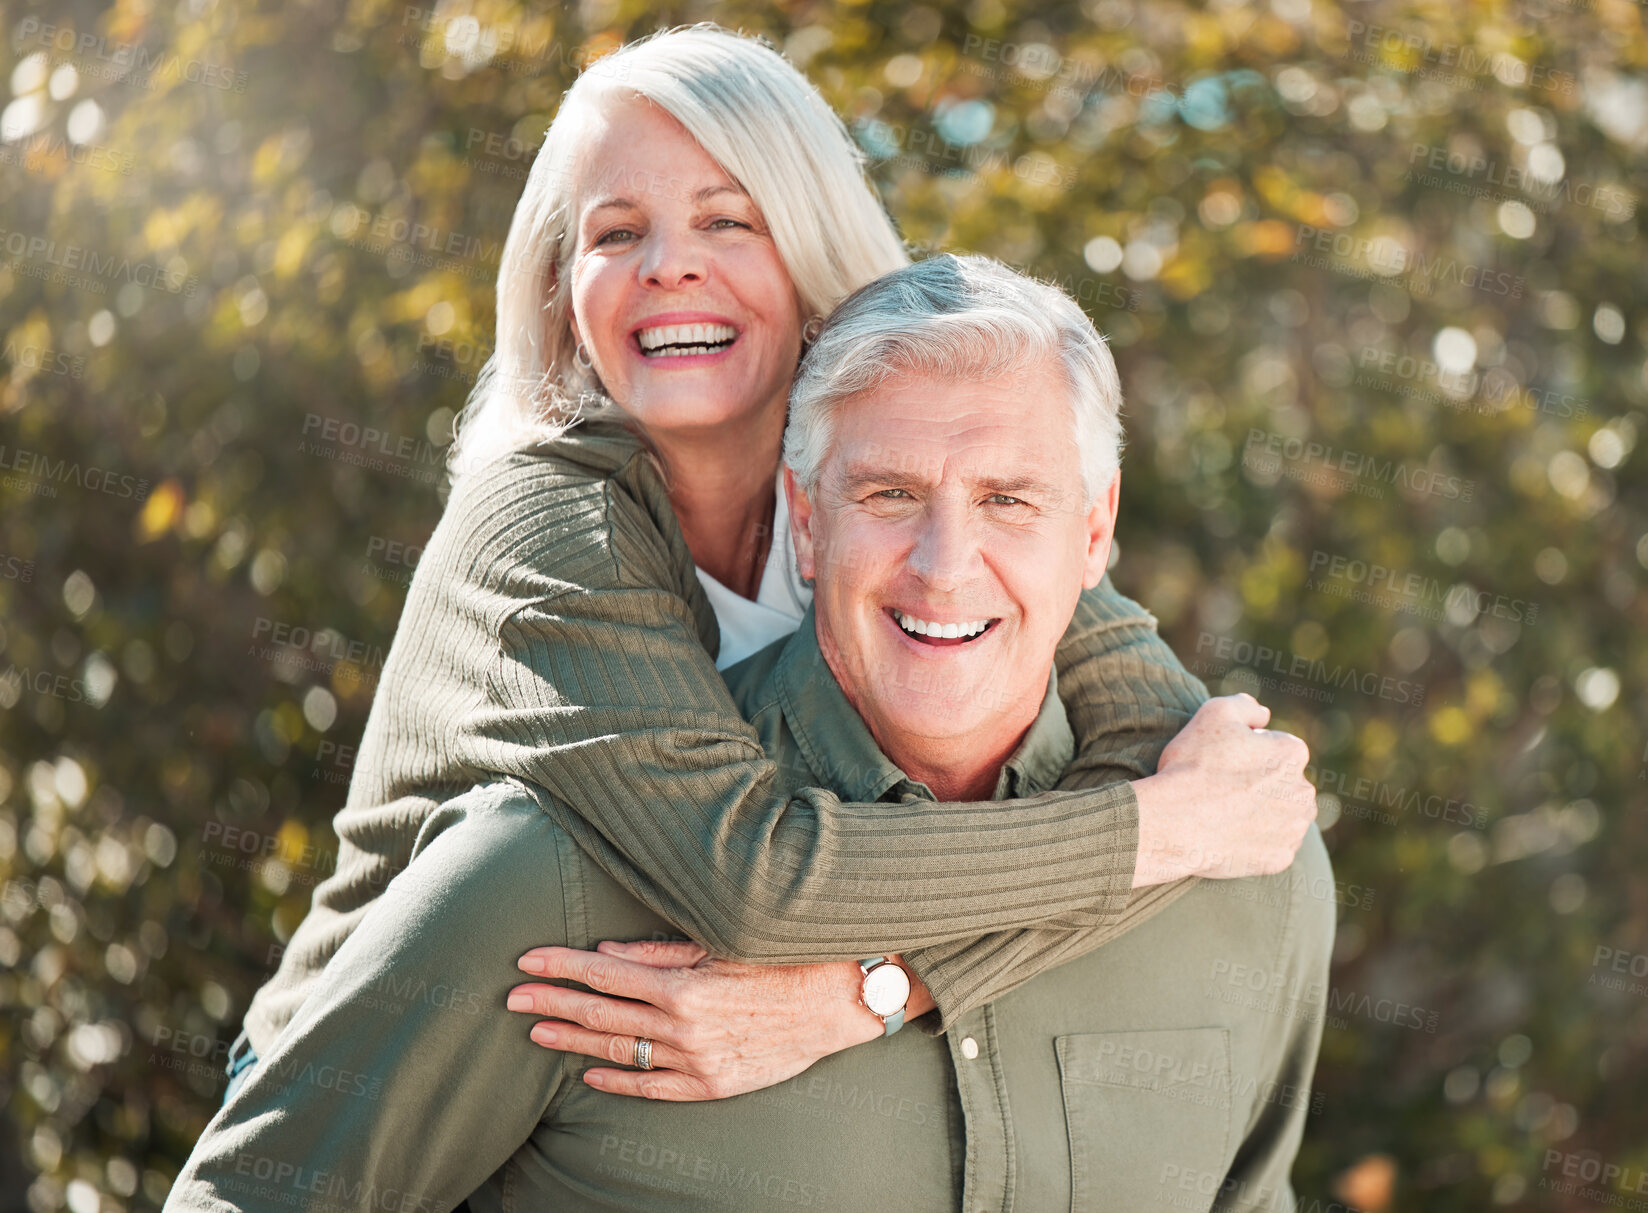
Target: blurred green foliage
{"x": 1375, "y": 280}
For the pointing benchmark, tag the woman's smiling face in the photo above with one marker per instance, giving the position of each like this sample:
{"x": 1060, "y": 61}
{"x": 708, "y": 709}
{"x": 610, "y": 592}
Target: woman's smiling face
{"x": 679, "y": 295}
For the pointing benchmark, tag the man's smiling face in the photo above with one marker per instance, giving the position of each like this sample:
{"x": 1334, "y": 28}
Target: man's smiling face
{"x": 949, "y": 539}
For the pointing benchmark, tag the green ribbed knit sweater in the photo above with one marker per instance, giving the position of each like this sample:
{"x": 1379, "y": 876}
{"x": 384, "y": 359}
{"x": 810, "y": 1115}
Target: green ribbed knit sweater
{"x": 555, "y": 631}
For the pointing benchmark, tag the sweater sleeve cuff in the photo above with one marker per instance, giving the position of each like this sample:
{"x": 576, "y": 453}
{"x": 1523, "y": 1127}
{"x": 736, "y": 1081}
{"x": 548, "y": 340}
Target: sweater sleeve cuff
{"x": 964, "y": 974}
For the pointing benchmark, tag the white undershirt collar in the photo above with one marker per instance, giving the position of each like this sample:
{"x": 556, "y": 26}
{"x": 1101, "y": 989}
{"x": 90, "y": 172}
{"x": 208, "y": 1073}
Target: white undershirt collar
{"x": 780, "y": 602}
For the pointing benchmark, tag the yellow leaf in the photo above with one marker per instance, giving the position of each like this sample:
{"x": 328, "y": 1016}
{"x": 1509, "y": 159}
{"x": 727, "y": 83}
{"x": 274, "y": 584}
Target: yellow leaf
{"x": 293, "y": 837}
{"x": 289, "y": 252}
{"x": 1450, "y": 725}
{"x": 160, "y": 512}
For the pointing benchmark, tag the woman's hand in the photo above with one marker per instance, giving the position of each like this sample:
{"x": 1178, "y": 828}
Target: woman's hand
{"x": 718, "y": 1027}
{"x": 1229, "y": 798}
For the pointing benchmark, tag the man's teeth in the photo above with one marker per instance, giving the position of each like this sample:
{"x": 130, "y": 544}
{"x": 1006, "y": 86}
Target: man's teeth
{"x": 680, "y": 340}
{"x": 944, "y": 631}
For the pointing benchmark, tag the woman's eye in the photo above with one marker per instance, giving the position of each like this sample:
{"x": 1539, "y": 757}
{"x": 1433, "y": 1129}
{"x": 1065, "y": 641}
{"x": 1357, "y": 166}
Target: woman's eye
{"x": 608, "y": 237}
{"x": 732, "y": 222}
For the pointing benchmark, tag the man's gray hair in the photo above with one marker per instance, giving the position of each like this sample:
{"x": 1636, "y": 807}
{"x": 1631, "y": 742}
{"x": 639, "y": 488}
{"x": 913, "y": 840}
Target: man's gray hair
{"x": 956, "y": 319}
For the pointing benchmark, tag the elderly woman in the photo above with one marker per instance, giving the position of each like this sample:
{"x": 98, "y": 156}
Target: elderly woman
{"x": 615, "y": 534}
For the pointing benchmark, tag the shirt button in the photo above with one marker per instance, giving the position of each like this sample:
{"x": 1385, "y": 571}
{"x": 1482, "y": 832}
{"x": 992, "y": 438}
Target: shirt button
{"x": 969, "y": 1048}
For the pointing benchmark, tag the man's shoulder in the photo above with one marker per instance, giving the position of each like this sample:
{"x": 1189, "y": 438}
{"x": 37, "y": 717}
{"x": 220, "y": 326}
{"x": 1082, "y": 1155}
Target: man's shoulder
{"x": 502, "y": 843}
{"x": 1313, "y": 854}
{"x": 1317, "y": 893}
{"x": 753, "y": 682}
{"x": 496, "y": 819}
{"x": 1277, "y": 906}
{"x": 1310, "y": 875}
{"x": 1297, "y": 908}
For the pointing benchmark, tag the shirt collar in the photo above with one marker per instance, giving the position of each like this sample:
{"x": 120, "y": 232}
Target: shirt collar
{"x": 843, "y": 755}
{"x": 749, "y": 625}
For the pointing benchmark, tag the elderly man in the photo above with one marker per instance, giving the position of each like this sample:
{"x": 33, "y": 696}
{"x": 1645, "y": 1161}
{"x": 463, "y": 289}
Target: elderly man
{"x": 952, "y": 481}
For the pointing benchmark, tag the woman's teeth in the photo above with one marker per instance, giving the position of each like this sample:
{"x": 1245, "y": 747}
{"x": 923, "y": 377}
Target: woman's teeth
{"x": 680, "y": 340}
{"x": 943, "y": 631}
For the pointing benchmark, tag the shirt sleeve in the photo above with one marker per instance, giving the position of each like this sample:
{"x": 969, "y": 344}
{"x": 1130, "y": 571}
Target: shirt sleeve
{"x": 603, "y": 695}
{"x": 403, "y": 1083}
{"x": 1259, "y": 1178}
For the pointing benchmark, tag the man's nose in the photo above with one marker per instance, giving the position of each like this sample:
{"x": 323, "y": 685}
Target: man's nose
{"x": 673, "y": 259}
{"x": 946, "y": 552}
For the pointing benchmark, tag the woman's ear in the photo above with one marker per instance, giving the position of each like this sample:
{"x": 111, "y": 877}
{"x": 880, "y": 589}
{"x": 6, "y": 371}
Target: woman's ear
{"x": 801, "y": 525}
{"x": 1101, "y": 529}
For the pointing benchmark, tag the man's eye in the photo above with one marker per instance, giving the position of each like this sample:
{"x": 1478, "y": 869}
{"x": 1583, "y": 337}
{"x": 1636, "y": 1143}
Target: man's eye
{"x": 889, "y": 494}
{"x": 1004, "y": 499}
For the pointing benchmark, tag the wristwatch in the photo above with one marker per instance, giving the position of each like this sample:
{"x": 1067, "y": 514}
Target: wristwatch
{"x": 885, "y": 992}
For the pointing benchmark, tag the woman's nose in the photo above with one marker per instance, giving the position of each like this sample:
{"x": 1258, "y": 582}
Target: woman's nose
{"x": 672, "y": 260}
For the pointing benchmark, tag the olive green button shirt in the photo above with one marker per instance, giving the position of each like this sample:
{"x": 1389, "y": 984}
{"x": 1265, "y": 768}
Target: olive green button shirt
{"x": 1139, "y": 1075}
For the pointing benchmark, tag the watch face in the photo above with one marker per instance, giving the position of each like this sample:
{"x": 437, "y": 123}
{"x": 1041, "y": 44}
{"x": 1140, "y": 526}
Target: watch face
{"x": 886, "y": 989}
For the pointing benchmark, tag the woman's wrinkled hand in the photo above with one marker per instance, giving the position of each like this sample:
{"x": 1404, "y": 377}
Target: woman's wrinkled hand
{"x": 1230, "y": 798}
{"x": 718, "y": 1027}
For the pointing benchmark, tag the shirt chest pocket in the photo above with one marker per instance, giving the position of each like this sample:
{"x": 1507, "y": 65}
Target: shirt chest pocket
{"x": 1149, "y": 1115}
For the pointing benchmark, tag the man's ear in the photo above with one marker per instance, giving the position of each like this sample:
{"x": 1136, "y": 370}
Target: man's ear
{"x": 1101, "y": 529}
{"x": 801, "y": 525}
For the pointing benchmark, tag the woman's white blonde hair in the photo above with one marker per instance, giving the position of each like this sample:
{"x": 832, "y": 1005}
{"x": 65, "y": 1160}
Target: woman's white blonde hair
{"x": 767, "y": 127}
